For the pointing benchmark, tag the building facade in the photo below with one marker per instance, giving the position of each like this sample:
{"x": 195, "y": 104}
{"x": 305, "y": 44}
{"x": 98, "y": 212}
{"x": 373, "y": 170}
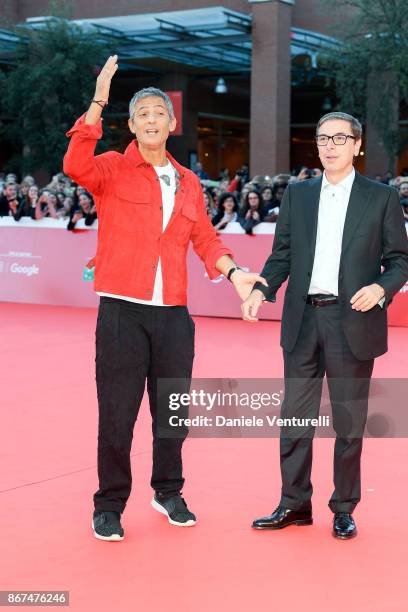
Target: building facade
{"x": 250, "y": 74}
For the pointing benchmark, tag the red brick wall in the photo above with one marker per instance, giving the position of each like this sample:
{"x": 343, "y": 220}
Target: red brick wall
{"x": 312, "y": 15}
{"x": 270, "y": 89}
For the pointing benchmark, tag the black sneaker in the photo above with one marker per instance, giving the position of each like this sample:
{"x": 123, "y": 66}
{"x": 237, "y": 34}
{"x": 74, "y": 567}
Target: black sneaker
{"x": 175, "y": 508}
{"x": 106, "y": 526}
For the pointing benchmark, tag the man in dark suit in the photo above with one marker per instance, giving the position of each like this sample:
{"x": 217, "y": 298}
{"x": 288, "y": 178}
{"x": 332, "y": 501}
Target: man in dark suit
{"x": 341, "y": 240}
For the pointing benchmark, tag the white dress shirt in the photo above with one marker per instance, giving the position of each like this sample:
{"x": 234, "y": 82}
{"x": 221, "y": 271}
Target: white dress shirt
{"x": 333, "y": 205}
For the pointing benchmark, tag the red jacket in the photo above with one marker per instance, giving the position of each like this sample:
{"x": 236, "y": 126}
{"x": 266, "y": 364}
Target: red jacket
{"x": 128, "y": 199}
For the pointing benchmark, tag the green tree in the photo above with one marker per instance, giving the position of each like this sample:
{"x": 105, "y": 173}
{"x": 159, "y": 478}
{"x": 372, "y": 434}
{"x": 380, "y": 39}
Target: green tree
{"x": 48, "y": 85}
{"x": 370, "y": 67}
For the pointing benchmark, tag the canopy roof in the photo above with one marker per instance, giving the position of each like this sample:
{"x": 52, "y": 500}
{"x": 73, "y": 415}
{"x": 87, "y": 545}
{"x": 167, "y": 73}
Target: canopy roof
{"x": 213, "y": 39}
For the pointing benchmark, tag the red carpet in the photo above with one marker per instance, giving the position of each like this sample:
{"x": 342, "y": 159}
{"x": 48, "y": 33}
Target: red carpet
{"x": 48, "y": 476}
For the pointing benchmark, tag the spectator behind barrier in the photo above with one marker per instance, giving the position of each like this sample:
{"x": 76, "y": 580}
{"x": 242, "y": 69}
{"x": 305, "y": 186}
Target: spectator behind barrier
{"x": 227, "y": 211}
{"x": 30, "y": 205}
{"x": 210, "y": 204}
{"x": 200, "y": 172}
{"x": 267, "y": 197}
{"x": 49, "y": 204}
{"x": 403, "y": 194}
{"x": 271, "y": 213}
{"x": 86, "y": 210}
{"x": 9, "y": 200}
{"x": 252, "y": 213}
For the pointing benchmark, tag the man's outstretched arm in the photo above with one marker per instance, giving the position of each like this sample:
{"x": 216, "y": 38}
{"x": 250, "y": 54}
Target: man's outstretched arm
{"x": 242, "y": 281}
{"x": 217, "y": 257}
{"x": 277, "y": 266}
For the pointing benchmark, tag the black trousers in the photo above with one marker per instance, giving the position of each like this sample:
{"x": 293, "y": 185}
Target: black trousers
{"x": 321, "y": 348}
{"x": 136, "y": 343}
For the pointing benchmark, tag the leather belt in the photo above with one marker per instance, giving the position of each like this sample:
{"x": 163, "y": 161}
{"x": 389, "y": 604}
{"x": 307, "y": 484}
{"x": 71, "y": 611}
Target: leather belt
{"x": 320, "y": 299}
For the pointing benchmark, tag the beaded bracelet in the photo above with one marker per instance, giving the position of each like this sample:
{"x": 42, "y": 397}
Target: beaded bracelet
{"x": 99, "y": 103}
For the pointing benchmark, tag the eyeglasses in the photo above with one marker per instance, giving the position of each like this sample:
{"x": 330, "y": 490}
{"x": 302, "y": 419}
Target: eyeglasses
{"x": 338, "y": 139}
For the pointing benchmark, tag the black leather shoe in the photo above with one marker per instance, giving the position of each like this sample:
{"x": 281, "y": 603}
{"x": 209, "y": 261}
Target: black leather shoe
{"x": 282, "y": 517}
{"x": 344, "y": 526}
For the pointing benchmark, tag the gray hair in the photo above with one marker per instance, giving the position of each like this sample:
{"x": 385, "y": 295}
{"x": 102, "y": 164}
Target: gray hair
{"x": 147, "y": 92}
{"x": 355, "y": 124}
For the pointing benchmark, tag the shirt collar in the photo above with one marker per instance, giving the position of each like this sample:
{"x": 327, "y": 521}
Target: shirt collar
{"x": 133, "y": 155}
{"x": 346, "y": 183}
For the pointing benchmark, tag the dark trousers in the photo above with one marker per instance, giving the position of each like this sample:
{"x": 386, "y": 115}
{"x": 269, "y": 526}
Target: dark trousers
{"x": 136, "y": 343}
{"x": 321, "y": 348}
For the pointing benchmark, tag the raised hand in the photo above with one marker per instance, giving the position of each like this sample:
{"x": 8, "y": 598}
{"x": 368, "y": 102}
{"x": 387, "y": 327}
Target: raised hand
{"x": 13, "y": 206}
{"x": 77, "y": 216}
{"x": 103, "y": 82}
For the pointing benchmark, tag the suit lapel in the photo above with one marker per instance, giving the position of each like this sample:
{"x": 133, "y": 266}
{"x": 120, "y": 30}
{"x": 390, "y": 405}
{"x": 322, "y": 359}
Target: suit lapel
{"x": 358, "y": 202}
{"x": 311, "y": 210}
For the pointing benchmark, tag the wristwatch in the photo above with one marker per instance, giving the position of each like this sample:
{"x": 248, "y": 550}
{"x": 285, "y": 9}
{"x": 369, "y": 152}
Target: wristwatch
{"x": 231, "y": 271}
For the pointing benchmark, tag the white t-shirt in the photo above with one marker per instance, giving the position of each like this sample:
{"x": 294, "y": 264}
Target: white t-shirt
{"x": 167, "y": 177}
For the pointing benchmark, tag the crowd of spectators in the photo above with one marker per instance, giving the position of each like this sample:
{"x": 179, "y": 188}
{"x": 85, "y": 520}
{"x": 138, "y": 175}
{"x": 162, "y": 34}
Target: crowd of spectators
{"x": 238, "y": 199}
{"x": 251, "y": 201}
{"x": 60, "y": 199}
{"x": 247, "y": 201}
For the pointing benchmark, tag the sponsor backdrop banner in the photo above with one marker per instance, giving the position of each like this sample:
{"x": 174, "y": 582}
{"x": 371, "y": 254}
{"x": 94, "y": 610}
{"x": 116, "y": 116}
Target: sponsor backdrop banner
{"x": 44, "y": 264}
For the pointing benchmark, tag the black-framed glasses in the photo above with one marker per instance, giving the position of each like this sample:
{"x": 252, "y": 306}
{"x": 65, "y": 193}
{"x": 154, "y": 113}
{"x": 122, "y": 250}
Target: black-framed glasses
{"x": 338, "y": 139}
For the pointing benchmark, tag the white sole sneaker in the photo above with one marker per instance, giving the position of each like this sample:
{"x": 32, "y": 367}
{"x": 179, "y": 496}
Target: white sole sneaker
{"x": 163, "y": 510}
{"x": 113, "y": 538}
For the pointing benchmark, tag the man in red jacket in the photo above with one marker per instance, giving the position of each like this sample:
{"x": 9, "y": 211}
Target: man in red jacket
{"x": 149, "y": 208}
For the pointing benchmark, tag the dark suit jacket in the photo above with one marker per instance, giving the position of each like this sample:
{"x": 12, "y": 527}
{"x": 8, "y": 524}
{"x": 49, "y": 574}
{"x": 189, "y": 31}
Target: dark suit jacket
{"x": 374, "y": 236}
